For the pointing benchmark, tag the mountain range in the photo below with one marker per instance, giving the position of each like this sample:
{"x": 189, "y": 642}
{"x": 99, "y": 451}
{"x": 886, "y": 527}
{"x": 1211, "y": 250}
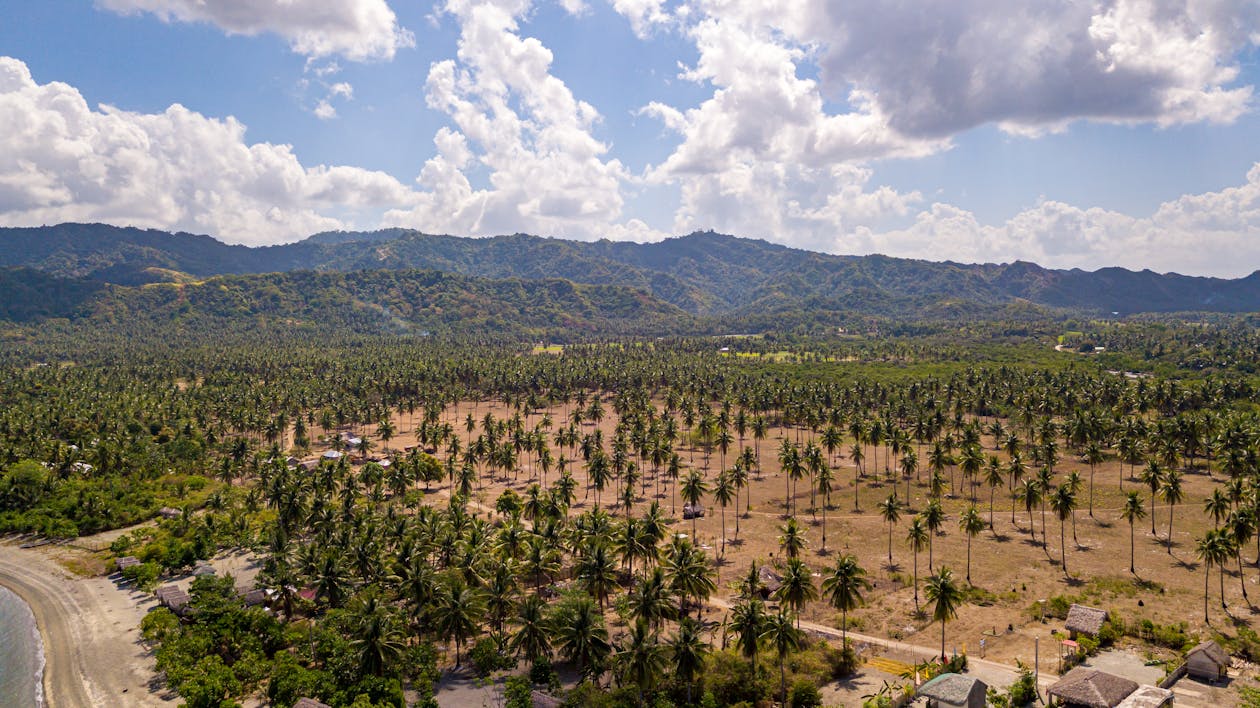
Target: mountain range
{"x": 702, "y": 274}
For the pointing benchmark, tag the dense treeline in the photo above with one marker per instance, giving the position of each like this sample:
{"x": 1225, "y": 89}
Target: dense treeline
{"x": 374, "y": 567}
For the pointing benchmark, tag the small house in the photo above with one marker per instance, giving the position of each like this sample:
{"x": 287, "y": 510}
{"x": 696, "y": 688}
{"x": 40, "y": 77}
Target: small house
{"x": 1207, "y": 662}
{"x": 950, "y": 690}
{"x": 538, "y": 699}
{"x": 169, "y": 512}
{"x": 174, "y": 599}
{"x": 1148, "y": 697}
{"x": 1090, "y": 688}
{"x": 693, "y": 511}
{"x": 310, "y": 703}
{"x": 202, "y": 568}
{"x": 126, "y": 562}
{"x": 770, "y": 581}
{"x": 1084, "y": 620}
{"x": 332, "y": 455}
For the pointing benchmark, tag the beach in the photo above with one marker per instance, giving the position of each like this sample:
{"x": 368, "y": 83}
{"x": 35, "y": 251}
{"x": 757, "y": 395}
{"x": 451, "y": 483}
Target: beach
{"x": 90, "y": 632}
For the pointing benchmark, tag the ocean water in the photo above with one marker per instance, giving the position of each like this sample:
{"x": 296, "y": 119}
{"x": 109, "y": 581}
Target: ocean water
{"x": 21, "y": 655}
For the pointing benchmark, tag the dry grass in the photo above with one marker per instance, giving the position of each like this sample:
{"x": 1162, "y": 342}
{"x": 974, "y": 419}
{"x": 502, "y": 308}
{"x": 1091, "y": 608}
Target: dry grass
{"x": 1009, "y": 571}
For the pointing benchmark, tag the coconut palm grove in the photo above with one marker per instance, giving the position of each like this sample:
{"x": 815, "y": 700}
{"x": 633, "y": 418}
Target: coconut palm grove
{"x": 591, "y": 511}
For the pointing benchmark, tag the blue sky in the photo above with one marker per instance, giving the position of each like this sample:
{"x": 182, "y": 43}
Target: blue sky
{"x": 1123, "y": 133}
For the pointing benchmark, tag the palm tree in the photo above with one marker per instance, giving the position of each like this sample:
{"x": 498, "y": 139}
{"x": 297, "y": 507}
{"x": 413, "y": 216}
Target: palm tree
{"x": 650, "y": 600}
{"x": 596, "y": 571}
{"x": 970, "y": 524}
{"x": 533, "y": 639}
{"x": 687, "y": 652}
{"x": 1210, "y": 549}
{"x": 1093, "y": 457}
{"x": 918, "y": 540}
{"x": 994, "y": 478}
{"x": 747, "y": 621}
{"x": 796, "y": 587}
{"x": 459, "y": 613}
{"x": 1029, "y": 492}
{"x": 1132, "y": 513}
{"x": 785, "y": 638}
{"x": 376, "y": 635}
{"x": 946, "y": 597}
{"x": 723, "y": 492}
{"x": 1153, "y": 477}
{"x": 792, "y": 538}
{"x": 1217, "y": 506}
{"x": 843, "y": 589}
{"x": 693, "y": 490}
{"x": 1064, "y": 503}
{"x": 583, "y": 639}
{"x": 1171, "y": 492}
{"x": 641, "y": 659}
{"x": 890, "y": 509}
{"x": 934, "y": 518}
{"x": 823, "y": 482}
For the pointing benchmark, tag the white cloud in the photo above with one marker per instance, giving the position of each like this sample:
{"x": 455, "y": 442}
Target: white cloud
{"x": 324, "y": 110}
{"x": 62, "y": 161}
{"x": 1215, "y": 233}
{"x": 940, "y": 68}
{"x": 359, "y": 30}
{"x": 643, "y": 14}
{"x": 776, "y": 153}
{"x": 548, "y": 174}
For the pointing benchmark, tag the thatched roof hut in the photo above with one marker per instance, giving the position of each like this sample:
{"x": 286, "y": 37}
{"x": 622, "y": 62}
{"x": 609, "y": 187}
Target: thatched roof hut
{"x": 950, "y": 690}
{"x": 770, "y": 580}
{"x": 126, "y": 562}
{"x": 1090, "y": 688}
{"x": 543, "y": 700}
{"x": 1082, "y": 619}
{"x": 1207, "y": 662}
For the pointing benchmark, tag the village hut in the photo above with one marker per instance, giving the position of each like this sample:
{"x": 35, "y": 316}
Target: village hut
{"x": 173, "y": 598}
{"x": 126, "y": 562}
{"x": 202, "y": 568}
{"x": 168, "y": 512}
{"x": 1090, "y": 688}
{"x": 1148, "y": 697}
{"x": 542, "y": 700}
{"x": 1085, "y": 620}
{"x": 950, "y": 690}
{"x": 770, "y": 581}
{"x": 1207, "y": 662}
{"x": 310, "y": 703}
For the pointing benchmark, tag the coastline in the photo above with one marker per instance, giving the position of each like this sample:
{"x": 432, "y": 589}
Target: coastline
{"x": 90, "y": 633}
{"x": 29, "y": 663}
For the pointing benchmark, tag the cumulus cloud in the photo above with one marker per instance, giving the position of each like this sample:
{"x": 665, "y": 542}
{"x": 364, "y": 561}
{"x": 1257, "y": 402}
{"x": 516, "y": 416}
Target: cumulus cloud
{"x": 1215, "y": 233}
{"x": 1036, "y": 64}
{"x": 548, "y": 173}
{"x": 60, "y": 161}
{"x": 778, "y": 153}
{"x": 359, "y": 30}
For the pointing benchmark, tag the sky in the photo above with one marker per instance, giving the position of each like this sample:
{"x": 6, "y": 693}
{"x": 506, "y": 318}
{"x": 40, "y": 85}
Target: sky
{"x": 1071, "y": 133}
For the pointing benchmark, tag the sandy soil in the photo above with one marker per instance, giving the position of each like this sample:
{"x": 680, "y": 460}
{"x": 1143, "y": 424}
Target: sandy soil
{"x": 91, "y": 632}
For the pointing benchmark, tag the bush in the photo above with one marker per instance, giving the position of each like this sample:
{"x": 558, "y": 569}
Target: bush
{"x": 730, "y": 679}
{"x": 144, "y": 575}
{"x": 804, "y": 694}
{"x": 487, "y": 657}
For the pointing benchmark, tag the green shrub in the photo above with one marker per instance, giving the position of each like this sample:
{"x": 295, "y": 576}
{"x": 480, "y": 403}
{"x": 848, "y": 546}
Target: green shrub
{"x": 804, "y": 694}
{"x": 487, "y": 657}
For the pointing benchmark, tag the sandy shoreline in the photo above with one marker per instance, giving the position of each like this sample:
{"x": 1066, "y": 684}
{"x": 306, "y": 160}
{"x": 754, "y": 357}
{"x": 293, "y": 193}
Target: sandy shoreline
{"x": 90, "y": 629}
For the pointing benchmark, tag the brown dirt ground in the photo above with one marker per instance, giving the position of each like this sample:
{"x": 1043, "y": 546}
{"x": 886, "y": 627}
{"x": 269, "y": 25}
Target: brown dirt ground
{"x": 1009, "y": 572}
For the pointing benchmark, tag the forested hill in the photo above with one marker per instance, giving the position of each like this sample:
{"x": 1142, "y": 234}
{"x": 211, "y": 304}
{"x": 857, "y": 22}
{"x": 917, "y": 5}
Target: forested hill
{"x": 360, "y": 302}
{"x": 703, "y": 273}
